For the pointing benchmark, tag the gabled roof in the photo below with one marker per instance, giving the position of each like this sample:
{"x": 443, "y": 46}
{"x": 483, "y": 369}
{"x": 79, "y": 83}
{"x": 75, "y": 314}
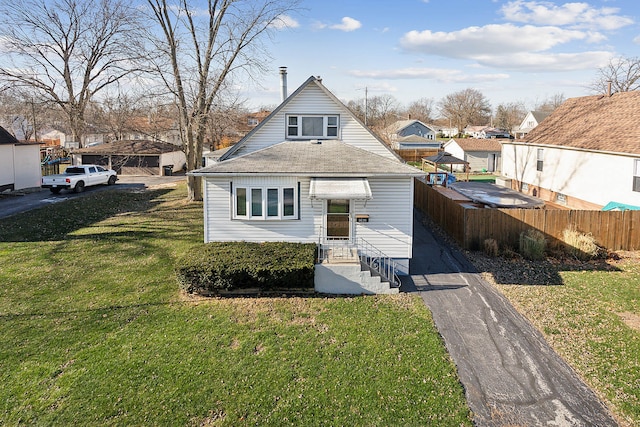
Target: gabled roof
{"x": 602, "y": 123}
{"x": 130, "y": 147}
{"x": 475, "y": 144}
{"x": 306, "y": 158}
{"x": 309, "y": 81}
{"x": 540, "y": 115}
{"x": 403, "y": 124}
{"x": 6, "y": 137}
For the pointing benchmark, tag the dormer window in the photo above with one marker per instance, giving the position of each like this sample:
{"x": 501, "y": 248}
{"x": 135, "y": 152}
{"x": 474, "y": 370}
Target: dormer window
{"x": 312, "y": 126}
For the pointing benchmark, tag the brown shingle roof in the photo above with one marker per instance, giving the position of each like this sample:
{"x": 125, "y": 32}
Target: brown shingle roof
{"x": 603, "y": 123}
{"x": 128, "y": 147}
{"x": 476, "y": 144}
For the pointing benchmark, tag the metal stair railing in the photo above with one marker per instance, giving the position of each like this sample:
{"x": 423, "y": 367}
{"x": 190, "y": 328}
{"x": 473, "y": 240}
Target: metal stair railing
{"x": 377, "y": 261}
{"x": 368, "y": 255}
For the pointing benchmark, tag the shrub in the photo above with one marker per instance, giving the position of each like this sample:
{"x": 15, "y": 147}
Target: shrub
{"x": 580, "y": 245}
{"x": 490, "y": 247}
{"x": 532, "y": 244}
{"x": 216, "y": 266}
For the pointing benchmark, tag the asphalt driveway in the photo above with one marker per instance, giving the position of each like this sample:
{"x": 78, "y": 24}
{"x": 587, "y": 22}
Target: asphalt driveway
{"x": 511, "y": 375}
{"x": 22, "y": 201}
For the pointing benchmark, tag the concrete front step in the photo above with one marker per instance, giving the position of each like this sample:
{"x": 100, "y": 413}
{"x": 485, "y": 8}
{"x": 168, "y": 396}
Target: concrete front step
{"x": 349, "y": 278}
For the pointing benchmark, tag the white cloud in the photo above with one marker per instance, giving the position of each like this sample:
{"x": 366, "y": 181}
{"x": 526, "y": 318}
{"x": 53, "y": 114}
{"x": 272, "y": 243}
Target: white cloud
{"x": 284, "y": 21}
{"x": 347, "y": 24}
{"x": 439, "y": 74}
{"x": 547, "y": 62}
{"x": 491, "y": 39}
{"x": 636, "y": 40}
{"x": 574, "y": 15}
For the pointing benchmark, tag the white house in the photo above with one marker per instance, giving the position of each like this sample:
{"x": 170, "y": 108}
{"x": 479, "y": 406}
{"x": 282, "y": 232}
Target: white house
{"x": 481, "y": 154}
{"x": 530, "y": 121}
{"x": 19, "y": 163}
{"x": 312, "y": 172}
{"x": 585, "y": 154}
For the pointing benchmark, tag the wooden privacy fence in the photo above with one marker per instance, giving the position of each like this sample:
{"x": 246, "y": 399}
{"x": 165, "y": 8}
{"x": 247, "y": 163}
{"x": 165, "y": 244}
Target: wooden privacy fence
{"x": 471, "y": 226}
{"x": 416, "y": 154}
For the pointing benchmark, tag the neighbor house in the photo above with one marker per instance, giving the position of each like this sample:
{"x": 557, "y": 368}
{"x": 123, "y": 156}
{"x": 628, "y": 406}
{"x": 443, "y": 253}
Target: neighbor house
{"x": 312, "y": 172}
{"x": 585, "y": 154}
{"x": 400, "y": 130}
{"x": 530, "y": 121}
{"x": 482, "y": 155}
{"x": 133, "y": 157}
{"x": 19, "y": 163}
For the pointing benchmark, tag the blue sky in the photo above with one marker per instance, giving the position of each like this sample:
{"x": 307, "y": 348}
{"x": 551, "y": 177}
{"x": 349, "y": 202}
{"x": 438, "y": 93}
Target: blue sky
{"x": 509, "y": 50}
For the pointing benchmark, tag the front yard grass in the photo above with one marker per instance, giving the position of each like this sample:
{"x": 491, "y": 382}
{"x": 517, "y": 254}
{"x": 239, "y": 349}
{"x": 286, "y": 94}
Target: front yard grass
{"x": 95, "y": 332}
{"x": 593, "y": 321}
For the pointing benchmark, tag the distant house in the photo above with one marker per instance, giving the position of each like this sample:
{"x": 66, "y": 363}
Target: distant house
{"x": 405, "y": 128}
{"x": 474, "y": 131}
{"x": 493, "y": 133}
{"x": 530, "y": 121}
{"x": 481, "y": 154}
{"x": 312, "y": 172}
{"x": 19, "y": 163}
{"x": 585, "y": 154}
{"x": 133, "y": 157}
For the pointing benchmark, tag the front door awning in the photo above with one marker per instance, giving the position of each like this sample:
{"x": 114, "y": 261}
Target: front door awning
{"x": 340, "y": 188}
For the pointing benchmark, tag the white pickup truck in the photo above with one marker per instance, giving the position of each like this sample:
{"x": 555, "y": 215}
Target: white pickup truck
{"x": 76, "y": 178}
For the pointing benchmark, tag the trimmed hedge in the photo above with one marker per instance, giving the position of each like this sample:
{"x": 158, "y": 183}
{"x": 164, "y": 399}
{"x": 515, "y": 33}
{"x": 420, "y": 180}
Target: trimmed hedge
{"x": 217, "y": 266}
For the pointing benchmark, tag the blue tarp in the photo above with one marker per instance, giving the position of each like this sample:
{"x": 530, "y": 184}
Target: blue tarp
{"x": 616, "y": 206}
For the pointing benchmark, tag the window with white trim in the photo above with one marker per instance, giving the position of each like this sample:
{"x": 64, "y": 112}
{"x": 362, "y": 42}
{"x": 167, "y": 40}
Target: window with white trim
{"x": 540, "y": 162}
{"x": 636, "y": 175}
{"x": 260, "y": 203}
{"x": 312, "y": 126}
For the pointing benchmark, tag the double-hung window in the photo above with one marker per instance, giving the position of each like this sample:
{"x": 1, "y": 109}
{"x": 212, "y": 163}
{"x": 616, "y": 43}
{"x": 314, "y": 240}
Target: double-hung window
{"x": 312, "y": 126}
{"x": 636, "y": 175}
{"x": 540, "y": 162}
{"x": 260, "y": 203}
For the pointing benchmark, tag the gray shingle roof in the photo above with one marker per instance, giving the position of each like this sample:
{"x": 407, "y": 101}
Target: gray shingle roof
{"x": 6, "y": 137}
{"x": 304, "y": 158}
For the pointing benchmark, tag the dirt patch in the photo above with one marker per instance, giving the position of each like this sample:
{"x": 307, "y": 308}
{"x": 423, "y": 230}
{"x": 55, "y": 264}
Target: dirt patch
{"x": 631, "y": 320}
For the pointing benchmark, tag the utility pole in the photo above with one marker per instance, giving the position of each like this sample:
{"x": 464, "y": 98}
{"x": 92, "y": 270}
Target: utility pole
{"x": 366, "y": 107}
{"x": 33, "y": 118}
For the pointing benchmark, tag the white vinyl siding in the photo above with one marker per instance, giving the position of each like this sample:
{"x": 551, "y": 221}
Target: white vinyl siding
{"x": 390, "y": 226}
{"x": 220, "y": 225}
{"x": 592, "y": 176}
{"x": 314, "y": 101}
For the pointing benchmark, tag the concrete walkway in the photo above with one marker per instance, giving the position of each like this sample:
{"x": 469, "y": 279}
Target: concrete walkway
{"x": 510, "y": 374}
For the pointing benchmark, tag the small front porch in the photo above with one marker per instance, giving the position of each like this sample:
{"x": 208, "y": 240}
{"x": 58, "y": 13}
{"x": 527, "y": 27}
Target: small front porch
{"x": 346, "y": 267}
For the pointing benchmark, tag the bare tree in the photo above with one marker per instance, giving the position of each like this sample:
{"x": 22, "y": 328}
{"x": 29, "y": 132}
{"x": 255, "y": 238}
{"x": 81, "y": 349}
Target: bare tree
{"x": 468, "y": 106}
{"x": 509, "y": 116}
{"x": 623, "y": 73}
{"x": 202, "y": 50}
{"x": 382, "y": 110}
{"x": 551, "y": 103}
{"x": 422, "y": 110}
{"x": 68, "y": 50}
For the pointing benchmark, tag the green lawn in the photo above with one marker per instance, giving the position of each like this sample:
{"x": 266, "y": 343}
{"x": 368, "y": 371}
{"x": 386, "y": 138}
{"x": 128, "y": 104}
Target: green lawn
{"x": 593, "y": 321}
{"x": 95, "y": 332}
